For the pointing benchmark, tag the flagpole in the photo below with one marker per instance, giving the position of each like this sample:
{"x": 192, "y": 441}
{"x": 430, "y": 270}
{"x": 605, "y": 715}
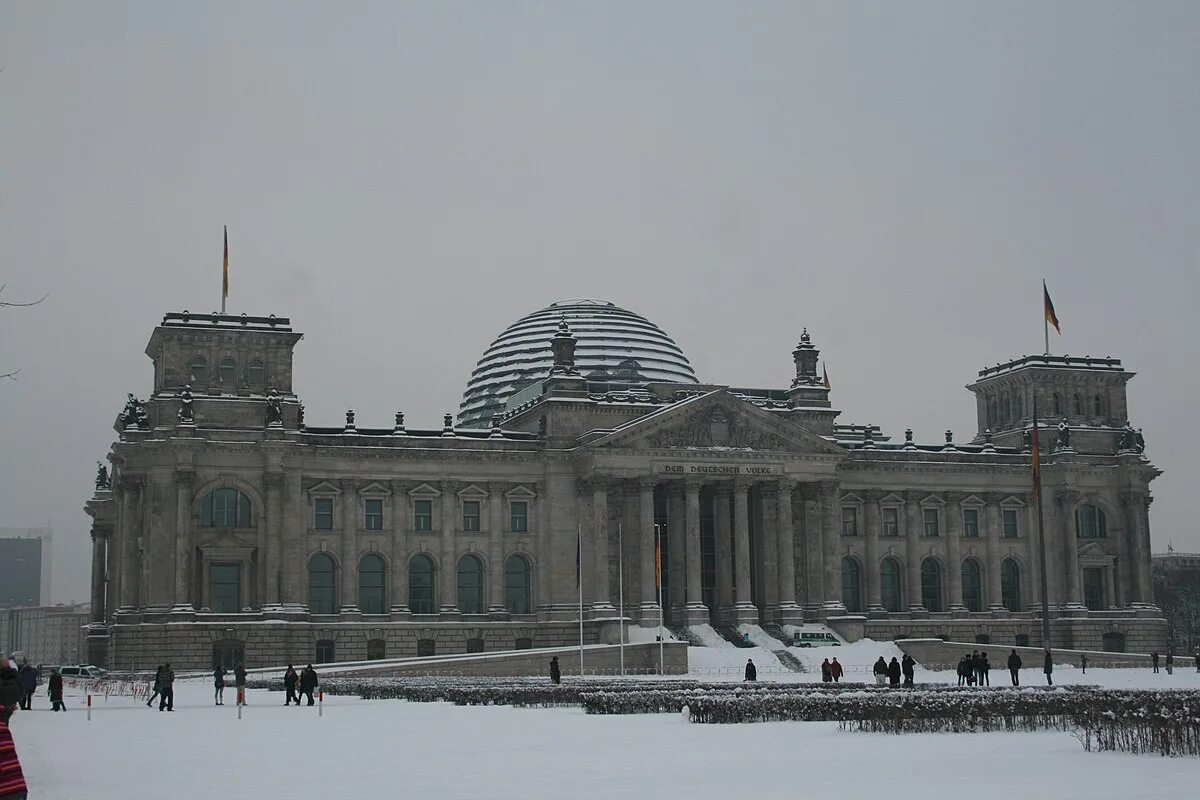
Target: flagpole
{"x": 225, "y": 273}
{"x": 658, "y": 582}
{"x": 579, "y": 584}
{"x": 621, "y": 593}
{"x": 1037, "y": 488}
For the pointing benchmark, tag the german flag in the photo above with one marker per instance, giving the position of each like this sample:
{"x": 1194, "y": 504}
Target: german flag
{"x": 825, "y": 372}
{"x": 1051, "y": 317}
{"x": 225, "y": 269}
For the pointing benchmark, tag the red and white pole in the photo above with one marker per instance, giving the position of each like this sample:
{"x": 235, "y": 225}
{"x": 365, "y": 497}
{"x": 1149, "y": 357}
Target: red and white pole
{"x": 321, "y": 703}
{"x": 89, "y": 707}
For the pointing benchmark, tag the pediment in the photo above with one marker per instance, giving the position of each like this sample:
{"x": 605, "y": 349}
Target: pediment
{"x": 472, "y": 492}
{"x": 716, "y": 420}
{"x": 226, "y": 544}
{"x": 424, "y": 490}
{"x": 520, "y": 493}
{"x": 324, "y": 489}
{"x": 891, "y": 499}
{"x": 972, "y": 501}
{"x": 374, "y": 490}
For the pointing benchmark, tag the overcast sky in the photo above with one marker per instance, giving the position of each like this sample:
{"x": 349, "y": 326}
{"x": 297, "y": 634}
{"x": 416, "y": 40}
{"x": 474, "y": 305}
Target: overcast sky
{"x": 406, "y": 180}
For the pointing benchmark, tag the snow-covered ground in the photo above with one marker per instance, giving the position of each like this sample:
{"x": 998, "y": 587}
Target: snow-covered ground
{"x": 392, "y": 748}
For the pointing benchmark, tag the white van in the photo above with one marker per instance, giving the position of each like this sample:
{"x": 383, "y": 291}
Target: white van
{"x": 815, "y": 639}
{"x": 83, "y": 671}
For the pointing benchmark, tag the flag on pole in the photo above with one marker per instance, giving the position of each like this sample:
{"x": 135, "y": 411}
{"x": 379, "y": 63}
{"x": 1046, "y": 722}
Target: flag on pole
{"x": 1051, "y": 317}
{"x": 225, "y": 270}
{"x": 825, "y": 372}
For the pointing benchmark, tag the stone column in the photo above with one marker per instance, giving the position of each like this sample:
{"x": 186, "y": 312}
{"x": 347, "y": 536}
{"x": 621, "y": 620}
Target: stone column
{"x": 100, "y": 536}
{"x": 789, "y": 612}
{"x": 831, "y": 542}
{"x": 648, "y": 609}
{"x": 1129, "y": 508}
{"x": 448, "y": 574}
{"x": 697, "y": 612}
{"x": 744, "y": 609}
{"x": 677, "y": 552}
{"x": 274, "y": 481}
{"x": 399, "y": 555}
{"x": 496, "y": 549}
{"x": 1143, "y": 511}
{"x": 874, "y": 523}
{"x": 723, "y": 528}
{"x": 1064, "y": 507}
{"x": 295, "y": 548}
{"x": 129, "y": 569}
{"x": 183, "y": 539}
{"x": 814, "y": 559}
{"x": 913, "y": 530}
{"x": 993, "y": 531}
{"x": 544, "y": 587}
{"x": 349, "y": 556}
{"x": 602, "y": 602}
{"x": 1110, "y": 589}
{"x": 954, "y": 525}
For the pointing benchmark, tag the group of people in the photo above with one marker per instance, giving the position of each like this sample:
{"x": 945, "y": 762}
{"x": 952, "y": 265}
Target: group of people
{"x": 239, "y": 680}
{"x": 831, "y": 672}
{"x": 889, "y": 672}
{"x": 306, "y": 681}
{"x": 974, "y": 669}
{"x": 24, "y": 681}
{"x": 1170, "y": 662}
{"x": 163, "y": 688}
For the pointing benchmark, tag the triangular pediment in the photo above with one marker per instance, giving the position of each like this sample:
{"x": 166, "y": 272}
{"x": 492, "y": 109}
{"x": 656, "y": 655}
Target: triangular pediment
{"x": 716, "y": 420}
{"x": 324, "y": 489}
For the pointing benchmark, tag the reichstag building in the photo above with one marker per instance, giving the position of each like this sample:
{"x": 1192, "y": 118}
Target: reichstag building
{"x": 232, "y": 528}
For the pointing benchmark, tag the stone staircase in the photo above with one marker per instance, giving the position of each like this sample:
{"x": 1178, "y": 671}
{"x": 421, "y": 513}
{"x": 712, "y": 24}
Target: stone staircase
{"x": 732, "y": 635}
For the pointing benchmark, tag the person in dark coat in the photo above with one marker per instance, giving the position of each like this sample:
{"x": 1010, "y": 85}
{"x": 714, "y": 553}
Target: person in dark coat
{"x": 555, "y": 671}
{"x": 836, "y": 671}
{"x": 166, "y": 699}
{"x": 880, "y": 671}
{"x": 1083, "y": 664}
{"x": 962, "y": 671}
{"x": 157, "y": 687}
{"x": 12, "y": 694}
{"x": 1048, "y": 668}
{"x": 894, "y": 672}
{"x": 985, "y": 670}
{"x": 751, "y": 671}
{"x": 290, "y": 679}
{"x": 1154, "y": 662}
{"x": 826, "y": 671}
{"x": 908, "y": 667}
{"x": 977, "y": 667}
{"x": 29, "y": 683}
{"x": 219, "y": 685}
{"x": 1014, "y": 667}
{"x": 239, "y": 680}
{"x": 308, "y": 683}
{"x": 1170, "y": 663}
{"x": 1197, "y": 657}
{"x": 56, "y": 692}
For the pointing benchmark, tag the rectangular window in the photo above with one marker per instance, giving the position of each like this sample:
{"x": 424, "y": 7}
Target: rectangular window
{"x": 849, "y": 521}
{"x": 470, "y": 515}
{"x": 518, "y": 517}
{"x": 891, "y": 522}
{"x": 971, "y": 523}
{"x": 931, "y": 522}
{"x": 323, "y": 516}
{"x": 225, "y": 588}
{"x": 1094, "y": 594}
{"x": 1010, "y": 523}
{"x": 374, "y": 515}
{"x": 423, "y": 515}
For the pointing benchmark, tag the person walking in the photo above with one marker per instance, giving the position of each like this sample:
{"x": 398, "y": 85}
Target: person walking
{"x": 977, "y": 667}
{"x": 29, "y": 683}
{"x": 156, "y": 687}
{"x": 308, "y": 683}
{"x": 555, "y": 671}
{"x": 56, "y": 692}
{"x": 166, "y": 698}
{"x": 835, "y": 670}
{"x": 893, "y": 671}
{"x": 290, "y": 679}
{"x": 1048, "y": 668}
{"x": 826, "y": 671}
{"x": 1170, "y": 662}
{"x": 962, "y": 671}
{"x": 751, "y": 671}
{"x": 985, "y": 670}
{"x": 1083, "y": 664}
{"x": 1014, "y": 667}
{"x": 1154, "y": 662}
{"x": 881, "y": 672}
{"x": 239, "y": 680}
{"x": 908, "y": 667}
{"x": 1197, "y": 657}
{"x": 12, "y": 779}
{"x": 219, "y": 685}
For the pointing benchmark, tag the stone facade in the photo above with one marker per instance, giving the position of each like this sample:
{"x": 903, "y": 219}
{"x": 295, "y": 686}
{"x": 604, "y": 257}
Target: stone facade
{"x": 231, "y": 526}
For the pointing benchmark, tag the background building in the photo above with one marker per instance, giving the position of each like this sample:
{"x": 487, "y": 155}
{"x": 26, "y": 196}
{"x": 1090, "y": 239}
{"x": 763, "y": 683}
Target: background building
{"x": 25, "y": 560}
{"x": 233, "y": 529}
{"x": 1177, "y": 593}
{"x": 48, "y": 635}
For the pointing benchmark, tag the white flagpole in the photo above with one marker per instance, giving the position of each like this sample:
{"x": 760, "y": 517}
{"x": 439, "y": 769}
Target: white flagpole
{"x": 621, "y": 592}
{"x": 579, "y": 583}
{"x": 658, "y": 580}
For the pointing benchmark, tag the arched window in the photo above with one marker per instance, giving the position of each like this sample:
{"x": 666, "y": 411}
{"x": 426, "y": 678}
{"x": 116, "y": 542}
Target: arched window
{"x": 1010, "y": 584}
{"x": 256, "y": 375}
{"x": 322, "y": 584}
{"x": 470, "y": 585}
{"x": 1090, "y": 522}
{"x": 972, "y": 585}
{"x": 1056, "y": 403}
{"x": 228, "y": 653}
{"x": 371, "y": 574}
{"x": 851, "y": 584}
{"x": 198, "y": 371}
{"x": 420, "y": 585}
{"x": 931, "y": 585}
{"x": 1077, "y": 405}
{"x": 1098, "y": 406}
{"x": 376, "y": 649}
{"x": 227, "y": 372}
{"x": 516, "y": 585}
{"x": 889, "y": 584}
{"x": 325, "y": 652}
{"x": 225, "y": 508}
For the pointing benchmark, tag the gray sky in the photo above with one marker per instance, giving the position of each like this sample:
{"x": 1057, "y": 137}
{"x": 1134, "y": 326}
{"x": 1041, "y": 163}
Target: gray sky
{"x": 404, "y": 181}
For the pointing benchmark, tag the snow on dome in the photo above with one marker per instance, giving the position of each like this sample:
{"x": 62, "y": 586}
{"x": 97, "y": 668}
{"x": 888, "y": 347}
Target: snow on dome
{"x": 615, "y": 346}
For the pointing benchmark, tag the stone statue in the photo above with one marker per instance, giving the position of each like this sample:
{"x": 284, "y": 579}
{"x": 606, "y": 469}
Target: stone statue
{"x": 1064, "y": 435}
{"x": 1127, "y": 441}
{"x": 1026, "y": 441}
{"x": 1140, "y": 441}
{"x": 300, "y": 416}
{"x": 274, "y": 409}
{"x": 908, "y": 436}
{"x": 186, "y": 415}
{"x": 134, "y": 415}
{"x": 399, "y": 422}
{"x": 350, "y": 418}
{"x": 102, "y": 481}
